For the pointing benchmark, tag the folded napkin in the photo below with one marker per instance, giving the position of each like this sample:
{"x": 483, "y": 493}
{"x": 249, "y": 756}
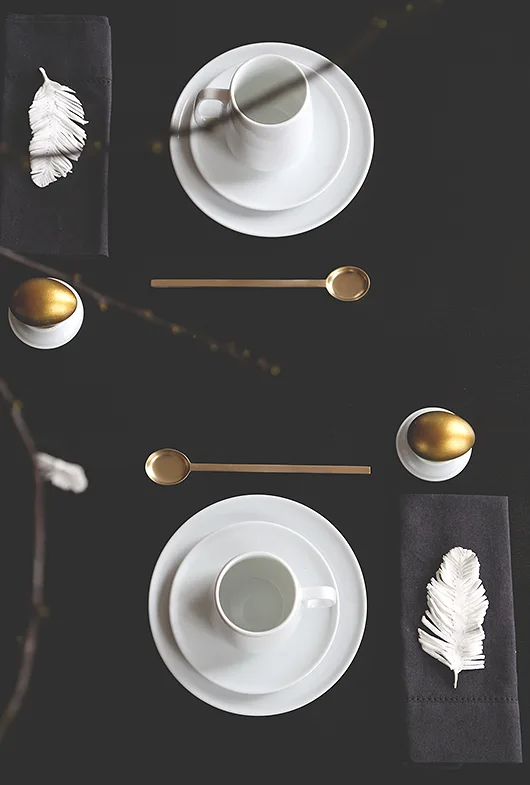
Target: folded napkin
{"x": 69, "y": 216}
{"x": 479, "y": 720}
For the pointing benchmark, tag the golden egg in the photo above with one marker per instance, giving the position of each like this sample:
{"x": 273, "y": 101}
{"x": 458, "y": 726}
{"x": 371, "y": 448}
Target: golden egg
{"x": 43, "y": 302}
{"x": 440, "y": 436}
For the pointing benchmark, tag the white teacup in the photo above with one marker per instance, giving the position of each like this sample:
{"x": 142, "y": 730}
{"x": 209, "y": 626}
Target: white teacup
{"x": 270, "y": 122}
{"x": 258, "y": 601}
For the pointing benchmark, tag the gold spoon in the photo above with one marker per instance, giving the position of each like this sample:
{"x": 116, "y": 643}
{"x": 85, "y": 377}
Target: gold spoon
{"x": 169, "y": 467}
{"x": 345, "y": 283}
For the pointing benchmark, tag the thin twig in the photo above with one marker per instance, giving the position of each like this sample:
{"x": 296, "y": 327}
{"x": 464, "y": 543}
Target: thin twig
{"x": 146, "y": 315}
{"x": 37, "y": 611}
{"x": 381, "y": 24}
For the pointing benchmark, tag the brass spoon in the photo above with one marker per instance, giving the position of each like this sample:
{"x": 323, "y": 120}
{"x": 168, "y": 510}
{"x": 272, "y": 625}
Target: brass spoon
{"x": 345, "y": 283}
{"x": 169, "y": 467}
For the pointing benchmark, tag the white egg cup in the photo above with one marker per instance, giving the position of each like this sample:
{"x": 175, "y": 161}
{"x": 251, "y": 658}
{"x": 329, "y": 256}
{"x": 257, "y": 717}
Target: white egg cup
{"x": 431, "y": 471}
{"x": 49, "y": 337}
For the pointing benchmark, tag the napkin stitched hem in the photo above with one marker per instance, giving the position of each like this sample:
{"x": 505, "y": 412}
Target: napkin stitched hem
{"x": 463, "y": 699}
{"x": 86, "y": 80}
{"x": 56, "y": 19}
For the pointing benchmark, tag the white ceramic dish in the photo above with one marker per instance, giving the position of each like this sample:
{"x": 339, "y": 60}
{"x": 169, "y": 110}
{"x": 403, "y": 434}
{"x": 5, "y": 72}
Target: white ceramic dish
{"x": 285, "y": 222}
{"x": 267, "y": 132}
{"x": 431, "y": 471}
{"x": 342, "y": 562}
{"x": 49, "y": 337}
{"x": 212, "y": 655}
{"x": 289, "y": 187}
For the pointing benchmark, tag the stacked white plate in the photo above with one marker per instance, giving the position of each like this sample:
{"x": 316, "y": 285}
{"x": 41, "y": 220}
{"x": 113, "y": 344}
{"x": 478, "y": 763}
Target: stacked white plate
{"x": 295, "y": 672}
{"x": 298, "y": 198}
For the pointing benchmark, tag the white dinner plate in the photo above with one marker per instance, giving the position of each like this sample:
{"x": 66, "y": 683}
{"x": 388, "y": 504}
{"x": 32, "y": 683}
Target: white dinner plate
{"x": 342, "y": 562}
{"x": 284, "y": 222}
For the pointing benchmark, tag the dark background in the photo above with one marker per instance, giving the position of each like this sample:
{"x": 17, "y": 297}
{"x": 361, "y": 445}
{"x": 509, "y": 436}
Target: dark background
{"x": 440, "y": 225}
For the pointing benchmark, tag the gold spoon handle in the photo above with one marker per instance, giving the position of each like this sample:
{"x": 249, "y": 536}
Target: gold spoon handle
{"x": 237, "y": 283}
{"x": 285, "y": 468}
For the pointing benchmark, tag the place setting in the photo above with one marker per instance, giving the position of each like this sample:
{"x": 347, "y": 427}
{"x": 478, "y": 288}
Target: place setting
{"x": 271, "y": 139}
{"x": 257, "y": 605}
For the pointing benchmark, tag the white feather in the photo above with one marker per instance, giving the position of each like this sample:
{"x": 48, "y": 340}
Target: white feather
{"x": 64, "y": 475}
{"x": 56, "y": 119}
{"x": 456, "y": 607}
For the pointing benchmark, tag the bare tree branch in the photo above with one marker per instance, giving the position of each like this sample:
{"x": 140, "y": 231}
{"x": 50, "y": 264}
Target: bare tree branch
{"x": 38, "y": 610}
{"x": 105, "y": 302}
{"x": 384, "y": 22}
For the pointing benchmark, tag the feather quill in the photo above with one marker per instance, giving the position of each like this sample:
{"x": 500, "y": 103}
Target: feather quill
{"x": 56, "y": 119}
{"x": 456, "y": 607}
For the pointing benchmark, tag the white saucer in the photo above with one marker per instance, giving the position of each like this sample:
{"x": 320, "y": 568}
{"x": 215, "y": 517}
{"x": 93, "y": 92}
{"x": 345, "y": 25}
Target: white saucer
{"x": 336, "y": 552}
{"x": 289, "y": 187}
{"x": 191, "y": 600}
{"x": 285, "y": 222}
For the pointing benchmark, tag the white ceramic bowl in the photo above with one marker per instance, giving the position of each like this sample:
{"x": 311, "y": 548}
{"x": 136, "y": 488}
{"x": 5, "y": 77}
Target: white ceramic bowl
{"x": 49, "y": 337}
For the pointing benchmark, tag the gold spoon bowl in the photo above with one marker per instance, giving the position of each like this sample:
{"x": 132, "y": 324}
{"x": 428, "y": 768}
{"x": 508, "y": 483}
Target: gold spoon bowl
{"x": 348, "y": 284}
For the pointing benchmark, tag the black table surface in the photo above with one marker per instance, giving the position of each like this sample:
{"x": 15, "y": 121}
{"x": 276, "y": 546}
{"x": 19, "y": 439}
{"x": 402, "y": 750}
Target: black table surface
{"x": 440, "y": 225}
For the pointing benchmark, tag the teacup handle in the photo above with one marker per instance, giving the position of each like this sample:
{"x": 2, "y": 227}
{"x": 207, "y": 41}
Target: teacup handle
{"x": 319, "y": 596}
{"x": 210, "y": 94}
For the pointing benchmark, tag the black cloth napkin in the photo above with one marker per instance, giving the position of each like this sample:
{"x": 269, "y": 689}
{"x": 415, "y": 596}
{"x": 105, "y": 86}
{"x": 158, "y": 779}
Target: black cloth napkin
{"x": 68, "y": 217}
{"x": 479, "y": 720}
